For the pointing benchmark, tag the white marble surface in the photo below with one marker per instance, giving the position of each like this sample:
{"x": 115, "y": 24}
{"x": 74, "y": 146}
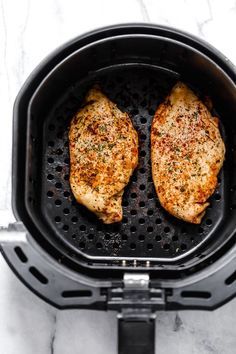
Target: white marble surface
{"x": 29, "y": 30}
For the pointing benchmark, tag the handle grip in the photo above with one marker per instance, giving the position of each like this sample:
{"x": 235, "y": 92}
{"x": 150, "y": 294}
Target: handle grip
{"x": 136, "y": 336}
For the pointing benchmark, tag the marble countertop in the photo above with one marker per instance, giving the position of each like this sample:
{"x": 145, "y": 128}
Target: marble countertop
{"x": 29, "y": 30}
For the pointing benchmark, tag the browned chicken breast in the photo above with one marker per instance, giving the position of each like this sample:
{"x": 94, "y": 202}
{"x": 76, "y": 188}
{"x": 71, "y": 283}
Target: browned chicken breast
{"x": 187, "y": 153}
{"x": 103, "y": 155}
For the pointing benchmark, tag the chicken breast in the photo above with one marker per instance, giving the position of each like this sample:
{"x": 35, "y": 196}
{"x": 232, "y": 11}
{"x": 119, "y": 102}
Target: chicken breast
{"x": 103, "y": 155}
{"x": 187, "y": 153}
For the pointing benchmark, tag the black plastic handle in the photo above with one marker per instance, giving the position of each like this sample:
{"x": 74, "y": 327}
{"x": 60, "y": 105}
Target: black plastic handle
{"x": 136, "y": 336}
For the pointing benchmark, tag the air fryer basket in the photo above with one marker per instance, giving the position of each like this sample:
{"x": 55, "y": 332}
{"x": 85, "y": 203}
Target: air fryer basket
{"x": 150, "y": 260}
{"x": 136, "y": 72}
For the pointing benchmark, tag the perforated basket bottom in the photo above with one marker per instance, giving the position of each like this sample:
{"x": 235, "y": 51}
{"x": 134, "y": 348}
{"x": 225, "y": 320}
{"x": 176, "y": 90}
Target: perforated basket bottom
{"x": 146, "y": 230}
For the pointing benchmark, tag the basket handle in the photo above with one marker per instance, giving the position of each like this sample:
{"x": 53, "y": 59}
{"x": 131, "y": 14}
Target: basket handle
{"x": 136, "y": 336}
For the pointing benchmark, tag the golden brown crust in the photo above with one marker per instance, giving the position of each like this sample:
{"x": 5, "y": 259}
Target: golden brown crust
{"x": 103, "y": 155}
{"x": 187, "y": 153}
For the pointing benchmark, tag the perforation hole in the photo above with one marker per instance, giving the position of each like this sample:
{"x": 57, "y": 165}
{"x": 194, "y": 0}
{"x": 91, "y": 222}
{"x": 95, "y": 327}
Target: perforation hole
{"x": 82, "y": 228}
{"x": 141, "y": 237}
{"x": 149, "y": 229}
{"x": 66, "y": 194}
{"x": 74, "y": 219}
{"x": 142, "y": 170}
{"x": 166, "y": 246}
{"x": 142, "y": 187}
{"x": 143, "y": 137}
{"x": 149, "y": 246}
{"x": 58, "y": 202}
{"x": 200, "y": 230}
{"x": 142, "y": 153}
{"x": 58, "y": 168}
{"x": 158, "y": 221}
{"x": 124, "y": 237}
{"x": 51, "y": 143}
{"x": 49, "y": 194}
{"x": 208, "y": 222}
{"x": 82, "y": 245}
{"x": 90, "y": 237}
{"x": 99, "y": 245}
{"x": 66, "y": 177}
{"x": 143, "y": 120}
{"x": 150, "y": 212}
{"x": 50, "y": 160}
{"x": 150, "y": 196}
{"x": 167, "y": 229}
{"x": 142, "y": 204}
{"x": 57, "y": 218}
{"x": 133, "y": 212}
{"x": 133, "y": 195}
{"x": 65, "y": 227}
{"x": 217, "y": 197}
{"x": 132, "y": 246}
{"x": 183, "y": 246}
{"x": 66, "y": 211}
{"x": 134, "y": 178}
{"x": 107, "y": 237}
{"x": 158, "y": 238}
{"x": 141, "y": 221}
{"x": 59, "y": 152}
{"x": 58, "y": 185}
{"x": 50, "y": 177}
{"x": 133, "y": 229}
{"x": 125, "y": 203}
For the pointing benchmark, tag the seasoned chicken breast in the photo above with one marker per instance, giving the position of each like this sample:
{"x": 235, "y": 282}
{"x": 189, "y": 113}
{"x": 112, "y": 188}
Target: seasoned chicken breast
{"x": 187, "y": 153}
{"x": 103, "y": 155}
